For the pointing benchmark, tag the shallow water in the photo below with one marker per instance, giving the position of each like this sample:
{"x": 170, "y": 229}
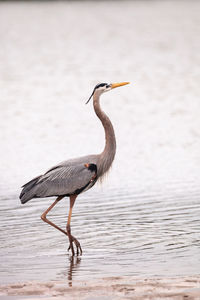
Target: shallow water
{"x": 144, "y": 219}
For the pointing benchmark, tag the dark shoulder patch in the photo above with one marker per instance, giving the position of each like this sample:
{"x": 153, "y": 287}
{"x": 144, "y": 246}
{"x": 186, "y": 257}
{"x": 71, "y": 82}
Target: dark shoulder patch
{"x": 91, "y": 167}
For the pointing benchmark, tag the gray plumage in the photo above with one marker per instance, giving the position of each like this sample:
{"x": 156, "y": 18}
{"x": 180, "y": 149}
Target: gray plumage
{"x": 66, "y": 178}
{"x": 74, "y": 176}
{"x": 71, "y": 176}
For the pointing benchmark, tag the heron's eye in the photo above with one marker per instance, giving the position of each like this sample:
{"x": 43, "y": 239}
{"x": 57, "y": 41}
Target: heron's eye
{"x": 100, "y": 85}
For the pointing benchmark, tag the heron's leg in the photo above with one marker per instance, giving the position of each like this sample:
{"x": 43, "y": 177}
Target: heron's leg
{"x": 44, "y": 218}
{"x": 68, "y": 228}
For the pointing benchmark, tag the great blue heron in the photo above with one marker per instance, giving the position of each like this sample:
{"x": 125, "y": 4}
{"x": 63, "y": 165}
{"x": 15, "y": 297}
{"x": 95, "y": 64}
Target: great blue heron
{"x": 74, "y": 176}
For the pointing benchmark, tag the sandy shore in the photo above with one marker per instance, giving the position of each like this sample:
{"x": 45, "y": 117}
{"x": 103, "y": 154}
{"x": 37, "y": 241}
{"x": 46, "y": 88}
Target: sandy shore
{"x": 107, "y": 288}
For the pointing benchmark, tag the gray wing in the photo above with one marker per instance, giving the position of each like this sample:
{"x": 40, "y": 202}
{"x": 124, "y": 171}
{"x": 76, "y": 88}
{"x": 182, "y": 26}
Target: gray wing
{"x": 65, "y": 180}
{"x": 60, "y": 180}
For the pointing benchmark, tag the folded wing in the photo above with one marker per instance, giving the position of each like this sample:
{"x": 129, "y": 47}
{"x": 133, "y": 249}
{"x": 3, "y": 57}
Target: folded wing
{"x": 60, "y": 180}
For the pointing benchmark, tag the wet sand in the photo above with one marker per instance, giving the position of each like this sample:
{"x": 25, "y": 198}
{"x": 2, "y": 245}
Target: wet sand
{"x": 107, "y": 288}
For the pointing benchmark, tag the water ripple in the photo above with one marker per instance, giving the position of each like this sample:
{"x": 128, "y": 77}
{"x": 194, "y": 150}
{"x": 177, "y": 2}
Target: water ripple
{"x": 126, "y": 225}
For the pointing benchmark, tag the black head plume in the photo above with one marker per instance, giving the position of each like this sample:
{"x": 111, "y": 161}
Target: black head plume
{"x": 91, "y": 96}
{"x": 96, "y": 87}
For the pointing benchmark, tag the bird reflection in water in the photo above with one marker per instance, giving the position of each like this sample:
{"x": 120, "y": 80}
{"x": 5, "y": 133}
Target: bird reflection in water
{"x": 73, "y": 266}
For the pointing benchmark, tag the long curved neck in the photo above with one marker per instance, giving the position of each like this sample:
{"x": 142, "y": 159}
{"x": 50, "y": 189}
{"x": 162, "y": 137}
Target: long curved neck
{"x": 107, "y": 156}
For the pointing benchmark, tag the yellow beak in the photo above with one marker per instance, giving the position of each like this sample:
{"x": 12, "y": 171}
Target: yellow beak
{"x": 114, "y": 85}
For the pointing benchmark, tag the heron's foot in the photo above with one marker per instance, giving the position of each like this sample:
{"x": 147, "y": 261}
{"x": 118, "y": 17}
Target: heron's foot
{"x": 72, "y": 240}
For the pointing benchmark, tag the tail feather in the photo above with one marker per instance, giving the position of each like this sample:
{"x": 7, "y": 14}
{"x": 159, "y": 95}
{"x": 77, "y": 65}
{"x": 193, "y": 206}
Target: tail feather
{"x": 28, "y": 190}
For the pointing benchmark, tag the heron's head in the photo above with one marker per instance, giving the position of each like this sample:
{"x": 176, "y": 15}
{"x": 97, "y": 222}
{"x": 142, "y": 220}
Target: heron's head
{"x": 105, "y": 87}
